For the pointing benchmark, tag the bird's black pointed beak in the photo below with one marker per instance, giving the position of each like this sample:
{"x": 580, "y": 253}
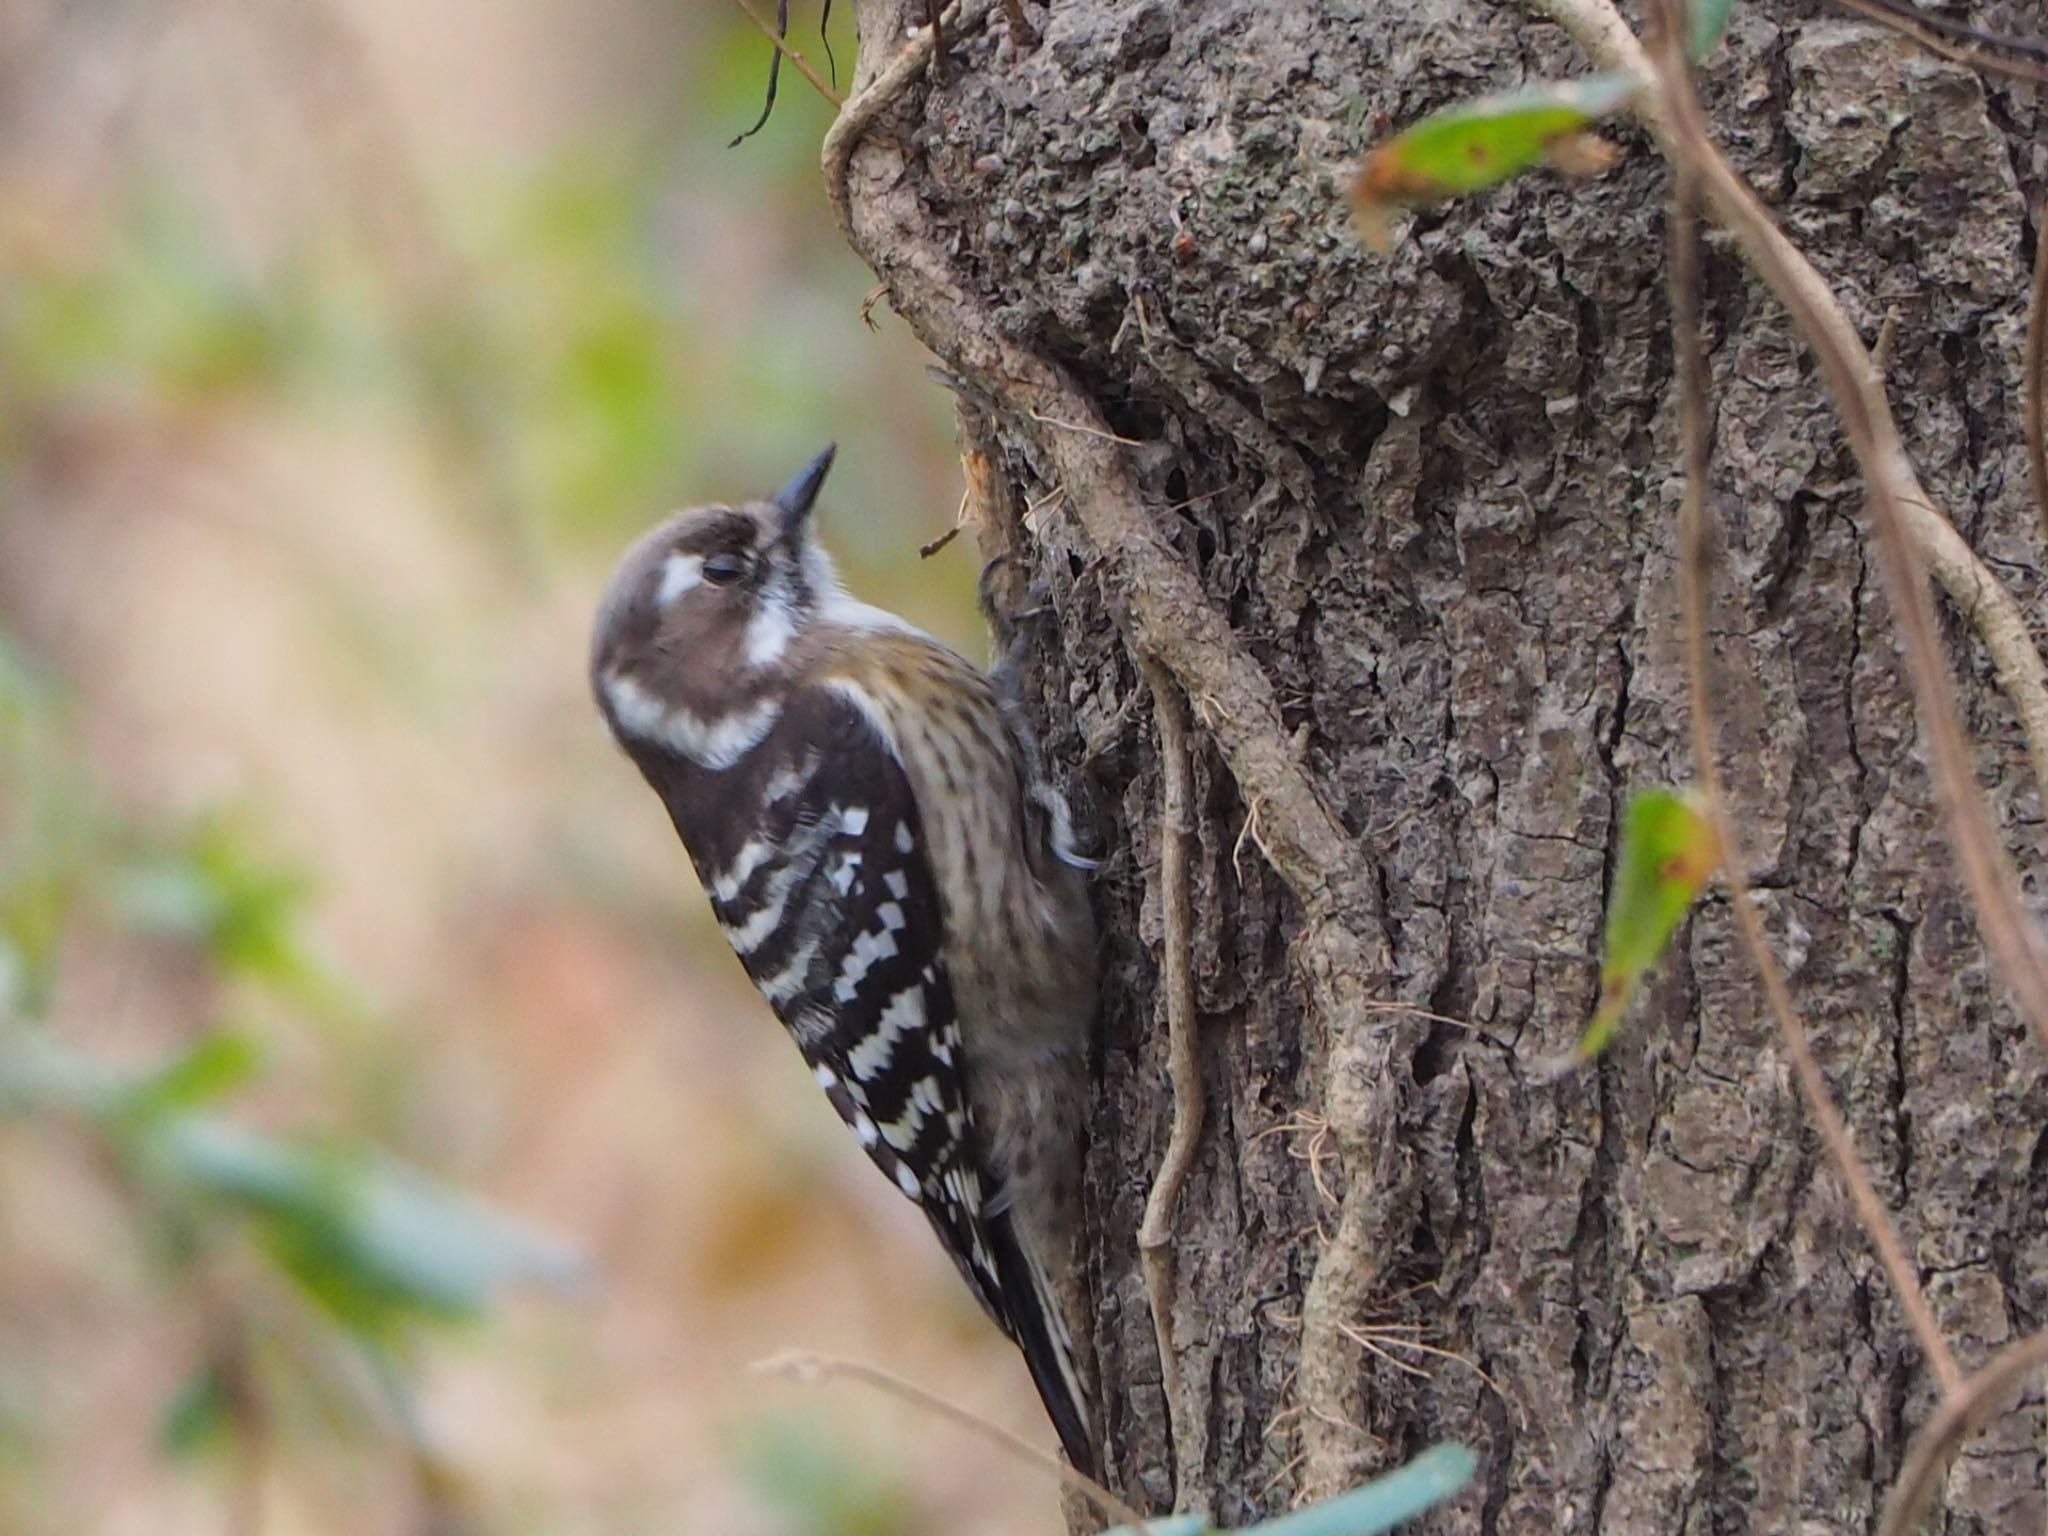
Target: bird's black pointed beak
{"x": 794, "y": 500}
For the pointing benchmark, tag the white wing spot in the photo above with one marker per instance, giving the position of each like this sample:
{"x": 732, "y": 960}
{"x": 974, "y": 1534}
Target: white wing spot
{"x": 786, "y": 983}
{"x": 846, "y": 873}
{"x": 906, "y": 1180}
{"x": 867, "y": 949}
{"x": 752, "y": 855}
{"x": 905, "y": 1013}
{"x": 898, "y": 883}
{"x": 787, "y": 780}
{"x": 854, "y": 822}
{"x": 891, "y": 916}
{"x": 749, "y": 936}
{"x": 905, "y": 843}
{"x": 826, "y": 1077}
{"x": 901, "y": 1133}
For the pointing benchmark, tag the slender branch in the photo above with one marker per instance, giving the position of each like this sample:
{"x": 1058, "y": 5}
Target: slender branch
{"x": 1908, "y": 525}
{"x": 2036, "y": 364}
{"x": 2032, "y": 47}
{"x": 868, "y": 103}
{"x": 1958, "y": 1417}
{"x": 1683, "y": 245}
{"x": 936, "y": 19}
{"x": 1974, "y": 49}
{"x": 803, "y": 65}
{"x": 1022, "y": 33}
{"x": 803, "y": 1366}
{"x": 233, "y": 1370}
{"x": 1184, "y": 1068}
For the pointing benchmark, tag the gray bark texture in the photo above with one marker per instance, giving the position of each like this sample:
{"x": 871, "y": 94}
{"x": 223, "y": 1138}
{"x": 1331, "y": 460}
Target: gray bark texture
{"x": 1402, "y": 530}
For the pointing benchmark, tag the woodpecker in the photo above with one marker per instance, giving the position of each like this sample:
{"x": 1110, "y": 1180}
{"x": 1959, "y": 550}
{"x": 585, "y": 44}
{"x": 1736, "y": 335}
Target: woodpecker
{"x": 896, "y": 878}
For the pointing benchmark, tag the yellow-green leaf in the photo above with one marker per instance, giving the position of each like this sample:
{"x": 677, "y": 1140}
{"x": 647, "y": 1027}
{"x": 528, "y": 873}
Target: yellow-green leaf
{"x": 1668, "y": 852}
{"x": 1480, "y": 143}
{"x": 1705, "y": 21}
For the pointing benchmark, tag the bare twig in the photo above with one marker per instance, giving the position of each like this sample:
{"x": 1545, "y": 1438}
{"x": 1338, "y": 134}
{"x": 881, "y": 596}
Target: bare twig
{"x": 1683, "y": 243}
{"x": 1183, "y": 1063}
{"x": 2033, "y": 48}
{"x": 937, "y": 17}
{"x": 870, "y": 101}
{"x": 932, "y": 546}
{"x": 783, "y": 50}
{"x": 2037, "y": 362}
{"x": 1909, "y": 527}
{"x": 803, "y": 1366}
{"x": 1022, "y": 33}
{"x": 1383, "y": 1338}
{"x": 1973, "y": 48}
{"x": 1081, "y": 426}
{"x": 1959, "y": 1416}
{"x": 825, "y": 38}
{"x": 233, "y": 1372}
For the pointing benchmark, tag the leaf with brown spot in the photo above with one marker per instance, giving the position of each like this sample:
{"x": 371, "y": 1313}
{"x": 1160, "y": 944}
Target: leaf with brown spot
{"x": 1481, "y": 143}
{"x": 1668, "y": 853}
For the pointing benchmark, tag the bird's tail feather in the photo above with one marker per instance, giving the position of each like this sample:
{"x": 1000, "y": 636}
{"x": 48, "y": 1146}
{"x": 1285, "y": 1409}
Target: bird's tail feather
{"x": 1037, "y": 1321}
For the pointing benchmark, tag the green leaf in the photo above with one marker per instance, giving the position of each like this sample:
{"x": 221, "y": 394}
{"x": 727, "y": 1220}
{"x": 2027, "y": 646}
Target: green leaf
{"x": 1421, "y": 1485}
{"x": 445, "y": 1247}
{"x": 1437, "y": 1474}
{"x": 1480, "y": 143}
{"x": 818, "y": 1487}
{"x": 212, "y": 888}
{"x": 1705, "y": 21}
{"x": 371, "y": 1241}
{"x": 1668, "y": 853}
{"x": 200, "y": 1415}
{"x": 209, "y": 1069}
{"x": 264, "y": 1173}
{"x": 36, "y": 1074}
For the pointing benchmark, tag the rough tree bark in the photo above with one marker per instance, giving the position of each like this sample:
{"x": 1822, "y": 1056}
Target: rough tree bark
{"x": 1402, "y": 530}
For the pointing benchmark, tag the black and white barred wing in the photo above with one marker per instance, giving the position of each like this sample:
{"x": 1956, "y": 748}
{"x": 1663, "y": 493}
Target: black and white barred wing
{"x": 833, "y": 910}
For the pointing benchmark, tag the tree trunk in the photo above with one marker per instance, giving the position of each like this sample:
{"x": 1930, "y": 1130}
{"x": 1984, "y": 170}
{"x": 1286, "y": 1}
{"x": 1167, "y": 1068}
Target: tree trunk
{"x": 1402, "y": 529}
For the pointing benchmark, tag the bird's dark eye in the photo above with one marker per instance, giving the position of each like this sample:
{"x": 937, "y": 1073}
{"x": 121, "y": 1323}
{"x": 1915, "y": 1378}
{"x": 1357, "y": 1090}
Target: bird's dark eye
{"x": 724, "y": 570}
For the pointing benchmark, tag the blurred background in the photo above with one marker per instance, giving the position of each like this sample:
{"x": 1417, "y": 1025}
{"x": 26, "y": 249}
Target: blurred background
{"x": 387, "y": 1141}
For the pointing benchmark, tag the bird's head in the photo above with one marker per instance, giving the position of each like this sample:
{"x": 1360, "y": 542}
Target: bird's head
{"x": 702, "y": 611}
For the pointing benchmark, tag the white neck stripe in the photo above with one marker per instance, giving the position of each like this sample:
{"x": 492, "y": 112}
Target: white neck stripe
{"x": 711, "y": 744}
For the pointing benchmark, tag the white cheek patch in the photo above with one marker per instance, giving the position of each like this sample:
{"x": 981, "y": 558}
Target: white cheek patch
{"x": 679, "y": 573}
{"x": 714, "y": 744}
{"x": 770, "y": 630}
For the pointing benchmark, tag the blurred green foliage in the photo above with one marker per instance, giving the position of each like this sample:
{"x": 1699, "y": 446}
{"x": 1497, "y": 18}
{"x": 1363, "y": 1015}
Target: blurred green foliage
{"x": 817, "y": 1487}
{"x": 156, "y": 312}
{"x": 573, "y": 341}
{"x": 278, "y": 1229}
